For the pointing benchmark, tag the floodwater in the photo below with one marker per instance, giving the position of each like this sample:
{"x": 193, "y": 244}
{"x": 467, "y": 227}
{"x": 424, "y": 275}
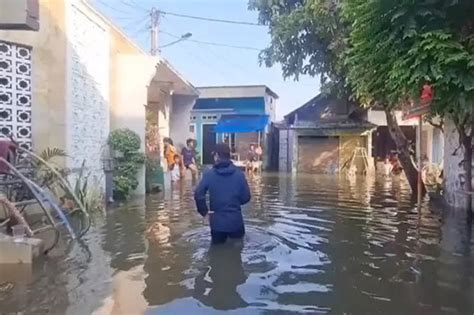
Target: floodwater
{"x": 314, "y": 244}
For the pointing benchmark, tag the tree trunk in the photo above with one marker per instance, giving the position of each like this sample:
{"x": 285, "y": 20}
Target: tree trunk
{"x": 403, "y": 147}
{"x": 467, "y": 165}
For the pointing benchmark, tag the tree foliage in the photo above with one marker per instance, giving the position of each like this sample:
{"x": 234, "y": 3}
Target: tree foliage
{"x": 397, "y": 46}
{"x": 307, "y": 38}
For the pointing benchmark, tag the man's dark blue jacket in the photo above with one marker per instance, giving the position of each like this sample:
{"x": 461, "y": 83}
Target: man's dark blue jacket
{"x": 228, "y": 190}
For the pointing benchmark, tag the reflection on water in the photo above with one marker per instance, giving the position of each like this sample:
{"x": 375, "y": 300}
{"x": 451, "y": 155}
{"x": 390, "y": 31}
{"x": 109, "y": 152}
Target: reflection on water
{"x": 314, "y": 245}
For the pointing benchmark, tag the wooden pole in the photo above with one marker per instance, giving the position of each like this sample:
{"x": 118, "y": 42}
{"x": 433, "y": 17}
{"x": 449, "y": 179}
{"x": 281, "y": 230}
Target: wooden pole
{"x": 420, "y": 159}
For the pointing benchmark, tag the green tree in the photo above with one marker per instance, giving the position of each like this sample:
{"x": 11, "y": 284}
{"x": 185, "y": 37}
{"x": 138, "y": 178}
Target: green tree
{"x": 308, "y": 37}
{"x": 397, "y": 46}
{"x": 311, "y": 37}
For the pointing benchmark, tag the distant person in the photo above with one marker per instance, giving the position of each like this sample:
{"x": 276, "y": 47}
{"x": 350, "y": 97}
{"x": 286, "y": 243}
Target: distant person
{"x": 228, "y": 191}
{"x": 169, "y": 152}
{"x": 396, "y": 166}
{"x": 259, "y": 152}
{"x": 251, "y": 158}
{"x": 189, "y": 157}
{"x": 387, "y": 167}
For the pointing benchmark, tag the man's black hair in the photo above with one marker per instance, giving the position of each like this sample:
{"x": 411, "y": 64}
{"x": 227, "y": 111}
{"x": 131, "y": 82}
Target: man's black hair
{"x": 189, "y": 141}
{"x": 222, "y": 150}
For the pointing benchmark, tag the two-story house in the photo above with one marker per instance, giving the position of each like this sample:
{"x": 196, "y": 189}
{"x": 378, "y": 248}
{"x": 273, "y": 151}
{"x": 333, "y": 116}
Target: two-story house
{"x": 239, "y": 115}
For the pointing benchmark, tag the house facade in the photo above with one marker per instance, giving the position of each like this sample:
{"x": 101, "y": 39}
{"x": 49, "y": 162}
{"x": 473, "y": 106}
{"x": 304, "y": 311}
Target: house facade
{"x": 322, "y": 136}
{"x": 432, "y": 146}
{"x": 239, "y": 115}
{"x": 69, "y": 84}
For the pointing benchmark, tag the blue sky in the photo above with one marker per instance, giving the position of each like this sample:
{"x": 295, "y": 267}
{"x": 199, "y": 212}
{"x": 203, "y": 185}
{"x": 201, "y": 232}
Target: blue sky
{"x": 204, "y": 64}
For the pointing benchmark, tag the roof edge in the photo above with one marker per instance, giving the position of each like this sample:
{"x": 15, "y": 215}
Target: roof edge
{"x": 179, "y": 75}
{"x": 267, "y": 89}
{"x": 305, "y": 104}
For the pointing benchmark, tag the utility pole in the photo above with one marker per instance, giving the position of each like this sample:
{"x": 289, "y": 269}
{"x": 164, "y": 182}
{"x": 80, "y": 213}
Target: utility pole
{"x": 155, "y": 22}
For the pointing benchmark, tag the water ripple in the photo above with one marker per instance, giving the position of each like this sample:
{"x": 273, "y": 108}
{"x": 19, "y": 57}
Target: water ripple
{"x": 314, "y": 244}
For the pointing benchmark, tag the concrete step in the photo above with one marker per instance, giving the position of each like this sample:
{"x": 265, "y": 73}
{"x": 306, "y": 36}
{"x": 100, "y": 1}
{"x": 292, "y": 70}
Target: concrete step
{"x": 19, "y": 251}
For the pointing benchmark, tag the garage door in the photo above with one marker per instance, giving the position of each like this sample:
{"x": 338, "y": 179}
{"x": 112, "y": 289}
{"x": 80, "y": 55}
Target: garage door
{"x": 318, "y": 155}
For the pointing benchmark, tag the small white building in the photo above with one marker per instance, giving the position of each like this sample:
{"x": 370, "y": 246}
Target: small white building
{"x": 79, "y": 77}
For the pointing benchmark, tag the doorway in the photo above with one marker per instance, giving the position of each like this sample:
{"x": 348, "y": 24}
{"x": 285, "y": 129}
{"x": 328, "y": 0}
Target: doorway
{"x": 209, "y": 141}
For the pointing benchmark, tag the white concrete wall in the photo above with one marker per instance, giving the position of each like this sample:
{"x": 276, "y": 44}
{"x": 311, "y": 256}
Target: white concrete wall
{"x": 452, "y": 170}
{"x": 180, "y": 119}
{"x": 88, "y": 81}
{"x": 438, "y": 146}
{"x": 135, "y": 73}
{"x": 270, "y": 107}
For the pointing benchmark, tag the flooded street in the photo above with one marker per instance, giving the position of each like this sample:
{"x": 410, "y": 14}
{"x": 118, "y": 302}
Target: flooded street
{"x": 313, "y": 245}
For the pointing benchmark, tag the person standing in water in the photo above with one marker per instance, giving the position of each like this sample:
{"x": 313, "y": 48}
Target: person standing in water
{"x": 189, "y": 157}
{"x": 169, "y": 153}
{"x": 228, "y": 191}
{"x": 251, "y": 158}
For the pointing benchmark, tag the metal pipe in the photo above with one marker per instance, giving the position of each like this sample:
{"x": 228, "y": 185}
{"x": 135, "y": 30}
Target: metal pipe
{"x": 420, "y": 160}
{"x": 65, "y": 185}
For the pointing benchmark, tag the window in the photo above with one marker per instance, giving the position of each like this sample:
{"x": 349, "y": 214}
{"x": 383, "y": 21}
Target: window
{"x": 214, "y": 117}
{"x": 192, "y": 129}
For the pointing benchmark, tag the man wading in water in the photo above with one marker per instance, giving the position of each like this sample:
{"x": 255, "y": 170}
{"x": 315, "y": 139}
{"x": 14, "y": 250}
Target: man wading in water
{"x": 228, "y": 191}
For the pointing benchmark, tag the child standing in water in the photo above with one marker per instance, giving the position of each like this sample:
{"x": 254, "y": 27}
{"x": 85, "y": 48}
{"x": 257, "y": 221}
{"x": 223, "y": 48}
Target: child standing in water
{"x": 228, "y": 191}
{"x": 175, "y": 169}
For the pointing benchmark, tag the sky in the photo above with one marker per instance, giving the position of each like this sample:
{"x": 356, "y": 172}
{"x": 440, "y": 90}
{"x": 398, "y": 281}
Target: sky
{"x": 207, "y": 65}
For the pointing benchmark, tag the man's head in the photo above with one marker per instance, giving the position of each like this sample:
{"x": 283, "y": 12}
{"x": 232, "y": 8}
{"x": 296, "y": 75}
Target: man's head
{"x": 221, "y": 152}
{"x": 190, "y": 143}
{"x": 252, "y": 147}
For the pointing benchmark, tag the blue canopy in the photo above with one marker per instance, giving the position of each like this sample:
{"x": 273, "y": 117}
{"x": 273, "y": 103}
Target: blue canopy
{"x": 241, "y": 123}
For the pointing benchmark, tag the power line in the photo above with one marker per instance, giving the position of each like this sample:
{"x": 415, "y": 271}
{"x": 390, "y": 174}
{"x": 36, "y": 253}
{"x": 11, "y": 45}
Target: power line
{"x": 213, "y": 43}
{"x": 105, "y": 4}
{"x": 201, "y": 18}
{"x": 134, "y": 5}
{"x": 225, "y": 45}
{"x": 136, "y": 21}
{"x": 141, "y": 28}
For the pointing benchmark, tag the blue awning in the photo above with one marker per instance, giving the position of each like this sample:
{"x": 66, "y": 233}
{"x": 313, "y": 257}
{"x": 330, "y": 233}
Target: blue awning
{"x": 241, "y": 123}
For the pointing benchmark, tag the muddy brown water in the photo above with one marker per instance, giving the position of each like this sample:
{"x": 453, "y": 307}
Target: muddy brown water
{"x": 314, "y": 244}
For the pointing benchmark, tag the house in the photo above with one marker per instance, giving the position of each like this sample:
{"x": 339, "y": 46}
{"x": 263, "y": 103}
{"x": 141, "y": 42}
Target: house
{"x": 240, "y": 115}
{"x": 432, "y": 145}
{"x": 322, "y": 135}
{"x": 79, "y": 77}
